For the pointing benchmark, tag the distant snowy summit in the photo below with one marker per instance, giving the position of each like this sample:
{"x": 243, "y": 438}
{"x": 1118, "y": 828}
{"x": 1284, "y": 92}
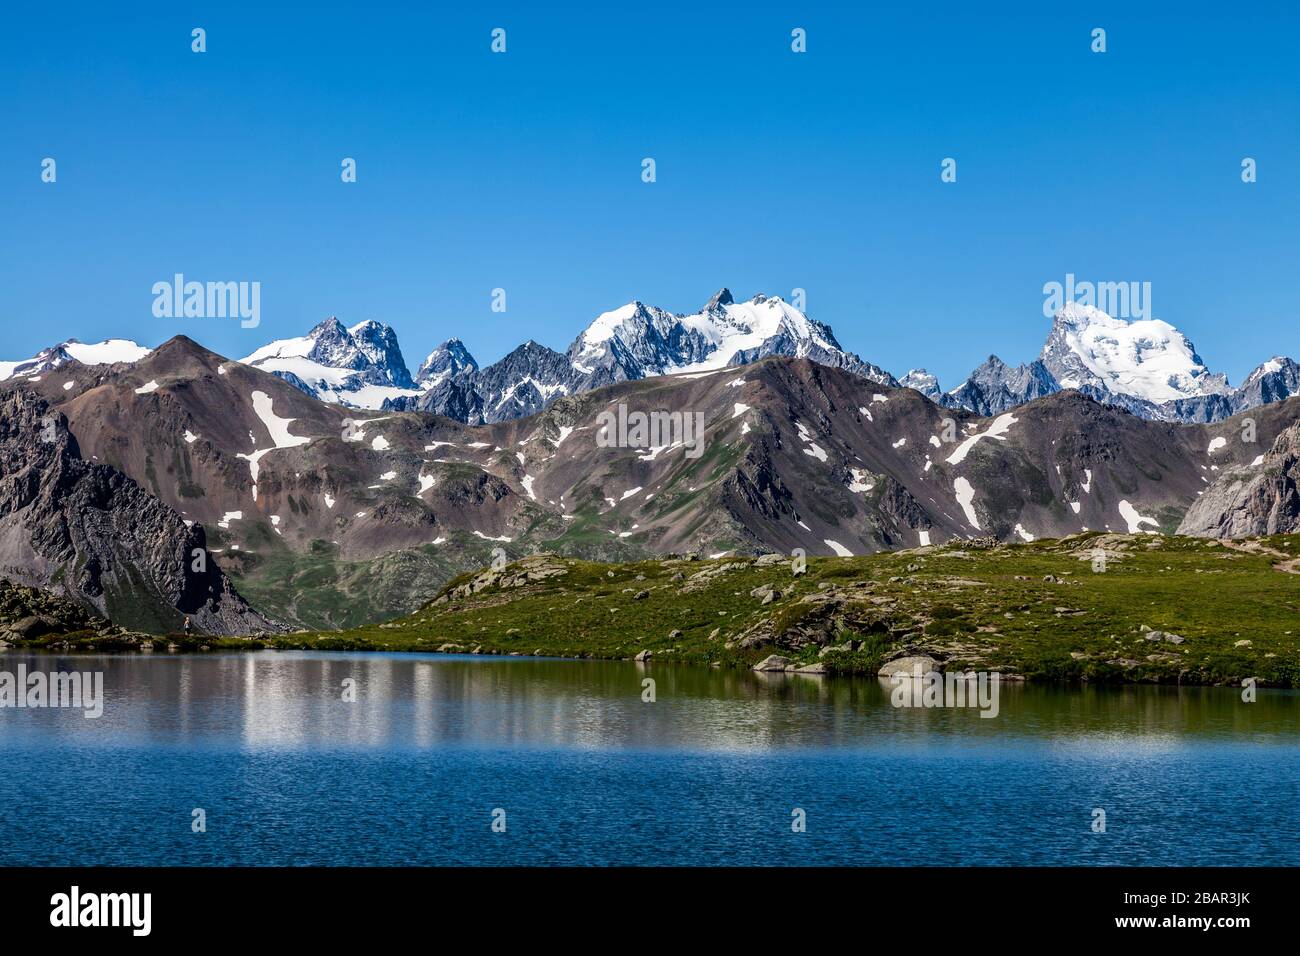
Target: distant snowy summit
{"x": 923, "y": 382}
{"x": 361, "y": 366}
{"x": 1144, "y": 365}
{"x": 638, "y": 340}
{"x": 631, "y": 342}
{"x": 109, "y": 352}
{"x": 1147, "y": 359}
{"x": 449, "y": 360}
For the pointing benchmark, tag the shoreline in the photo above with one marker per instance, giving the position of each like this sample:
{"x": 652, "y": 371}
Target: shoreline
{"x": 1097, "y": 607}
{"x": 253, "y": 645}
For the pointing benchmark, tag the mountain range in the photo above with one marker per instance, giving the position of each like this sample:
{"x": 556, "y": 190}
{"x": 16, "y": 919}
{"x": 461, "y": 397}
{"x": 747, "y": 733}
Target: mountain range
{"x": 1146, "y": 366}
{"x": 319, "y": 514}
{"x": 323, "y": 516}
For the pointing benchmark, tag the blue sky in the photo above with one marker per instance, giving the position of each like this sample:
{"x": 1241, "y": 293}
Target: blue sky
{"x": 775, "y": 170}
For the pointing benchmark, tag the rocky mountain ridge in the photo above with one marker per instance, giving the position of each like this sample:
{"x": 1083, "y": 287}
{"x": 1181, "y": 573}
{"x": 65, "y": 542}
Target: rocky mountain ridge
{"x": 1261, "y": 498}
{"x": 1145, "y": 366}
{"x": 91, "y": 533}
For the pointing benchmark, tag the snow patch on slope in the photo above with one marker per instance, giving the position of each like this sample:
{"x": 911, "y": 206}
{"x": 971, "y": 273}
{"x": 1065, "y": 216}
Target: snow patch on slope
{"x": 277, "y": 427}
{"x": 996, "y": 430}
{"x": 966, "y": 498}
{"x": 1135, "y": 520}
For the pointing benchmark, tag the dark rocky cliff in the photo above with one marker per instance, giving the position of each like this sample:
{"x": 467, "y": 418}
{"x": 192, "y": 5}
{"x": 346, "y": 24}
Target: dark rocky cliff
{"x": 87, "y": 531}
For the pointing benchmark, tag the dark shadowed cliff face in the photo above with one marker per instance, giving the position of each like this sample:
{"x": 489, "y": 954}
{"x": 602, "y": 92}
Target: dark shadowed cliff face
{"x": 88, "y": 531}
{"x": 1257, "y": 499}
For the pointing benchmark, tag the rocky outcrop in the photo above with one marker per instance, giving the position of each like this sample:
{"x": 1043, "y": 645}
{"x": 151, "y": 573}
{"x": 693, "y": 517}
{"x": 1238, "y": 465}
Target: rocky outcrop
{"x": 1253, "y": 499}
{"x": 899, "y": 504}
{"x": 30, "y": 617}
{"x": 538, "y": 567}
{"x": 27, "y": 613}
{"x": 909, "y": 665}
{"x": 995, "y": 387}
{"x": 86, "y": 531}
{"x": 521, "y": 384}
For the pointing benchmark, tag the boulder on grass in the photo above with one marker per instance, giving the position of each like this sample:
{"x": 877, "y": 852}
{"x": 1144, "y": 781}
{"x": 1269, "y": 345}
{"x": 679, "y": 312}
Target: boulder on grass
{"x": 773, "y": 662}
{"x": 907, "y": 665}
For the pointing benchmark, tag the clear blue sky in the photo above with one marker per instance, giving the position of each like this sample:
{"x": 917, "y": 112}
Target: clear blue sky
{"x": 775, "y": 170}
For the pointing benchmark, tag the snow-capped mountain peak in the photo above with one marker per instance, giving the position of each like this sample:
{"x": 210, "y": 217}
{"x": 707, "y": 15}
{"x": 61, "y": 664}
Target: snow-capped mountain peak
{"x": 741, "y": 327}
{"x": 1147, "y": 359}
{"x": 1277, "y": 363}
{"x": 108, "y": 352}
{"x": 923, "y": 382}
{"x": 362, "y": 366}
{"x": 1273, "y": 381}
{"x": 377, "y": 344}
{"x": 636, "y": 339}
{"x": 635, "y": 332}
{"x": 720, "y": 298}
{"x": 358, "y": 366}
{"x": 1146, "y": 366}
{"x": 449, "y": 360}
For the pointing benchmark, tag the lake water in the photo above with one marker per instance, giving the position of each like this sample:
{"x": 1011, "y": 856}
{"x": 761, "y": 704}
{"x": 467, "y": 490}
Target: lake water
{"x": 287, "y": 772}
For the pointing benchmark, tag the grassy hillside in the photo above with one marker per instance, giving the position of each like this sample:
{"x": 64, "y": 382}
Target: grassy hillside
{"x": 1156, "y": 609}
{"x": 319, "y": 588}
